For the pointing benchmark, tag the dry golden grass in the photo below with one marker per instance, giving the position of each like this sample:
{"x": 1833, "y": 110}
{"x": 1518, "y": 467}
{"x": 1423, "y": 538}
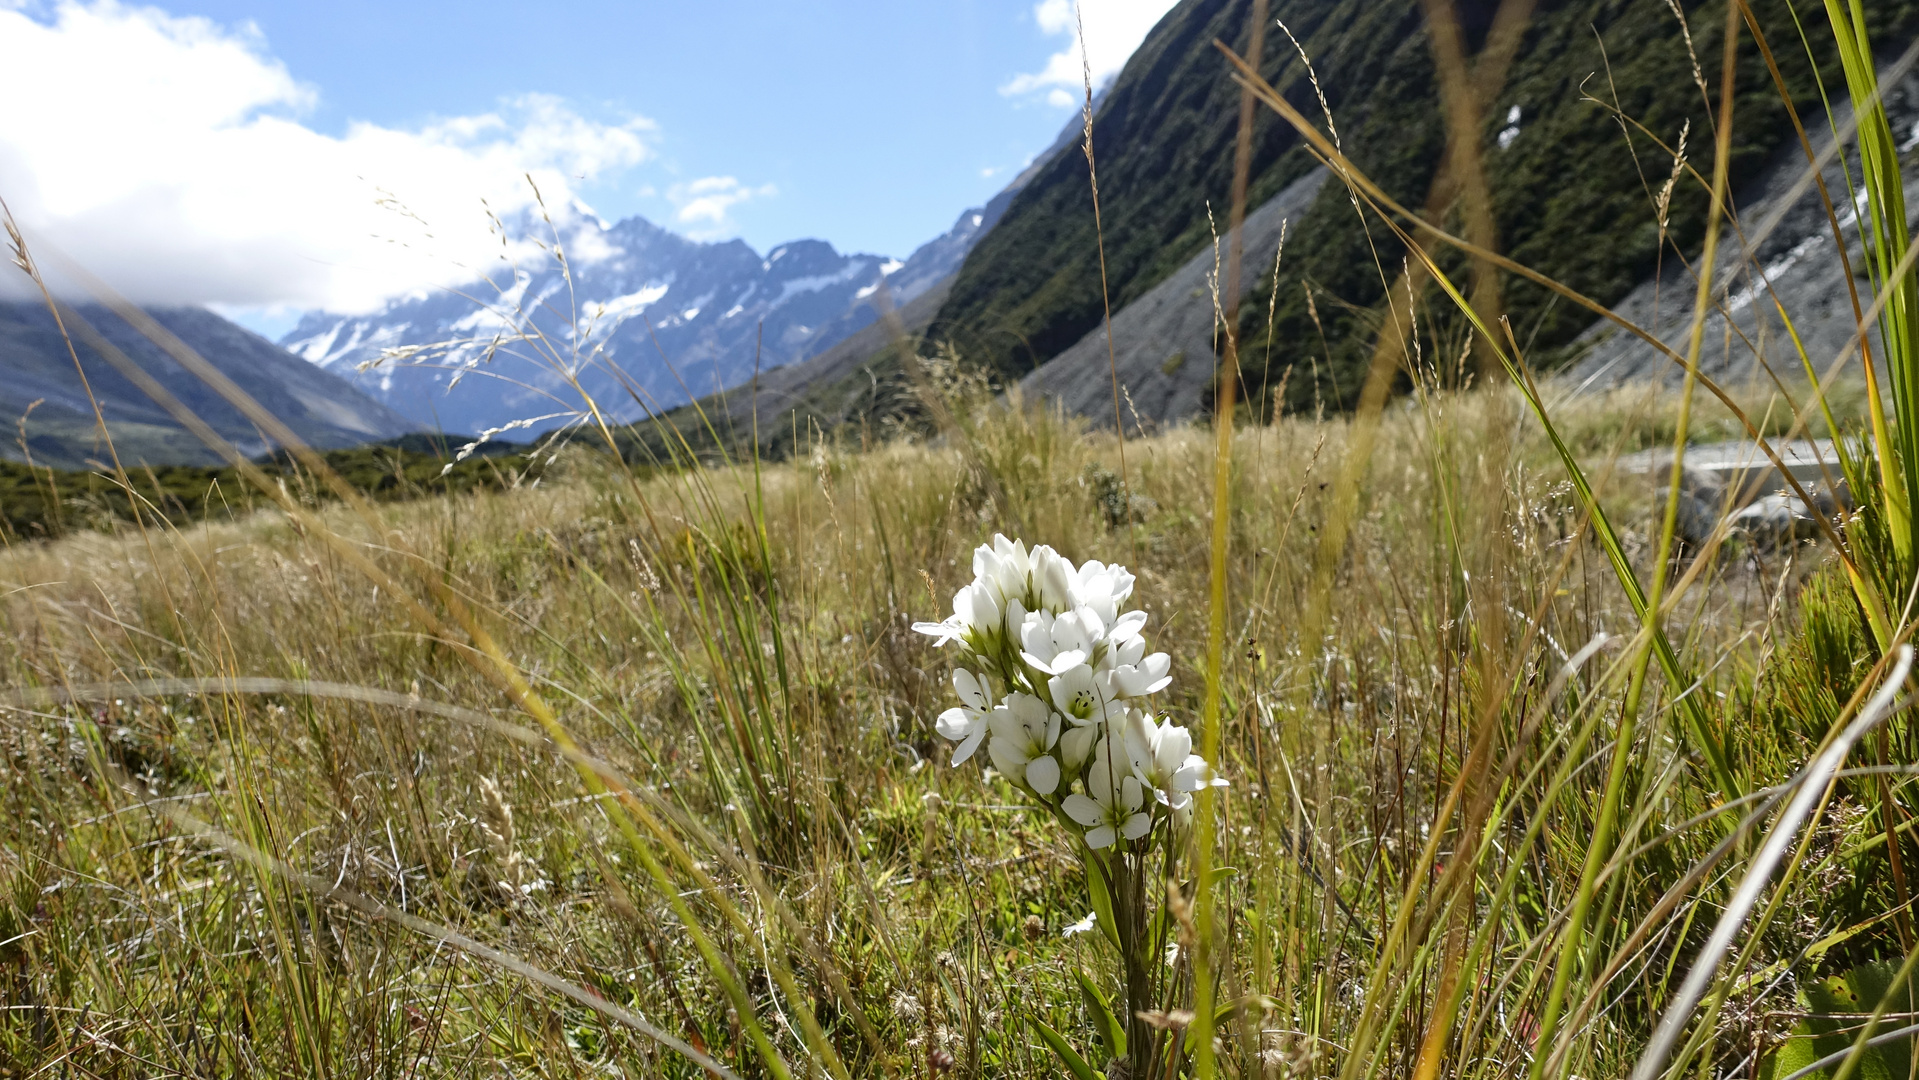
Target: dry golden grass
{"x": 133, "y": 945}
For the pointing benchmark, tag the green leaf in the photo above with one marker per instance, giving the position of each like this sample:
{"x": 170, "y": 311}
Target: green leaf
{"x": 1066, "y": 1054}
{"x": 1101, "y": 898}
{"x": 1111, "y": 1031}
{"x": 1854, "y": 993}
{"x": 1229, "y": 1009}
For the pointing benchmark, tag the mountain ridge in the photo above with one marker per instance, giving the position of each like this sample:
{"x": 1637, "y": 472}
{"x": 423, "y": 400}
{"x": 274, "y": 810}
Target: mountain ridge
{"x": 663, "y": 320}
{"x": 56, "y": 408}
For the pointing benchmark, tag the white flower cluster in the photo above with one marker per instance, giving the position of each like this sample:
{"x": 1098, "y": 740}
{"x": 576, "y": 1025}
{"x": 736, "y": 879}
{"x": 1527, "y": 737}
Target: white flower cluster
{"x": 1054, "y": 681}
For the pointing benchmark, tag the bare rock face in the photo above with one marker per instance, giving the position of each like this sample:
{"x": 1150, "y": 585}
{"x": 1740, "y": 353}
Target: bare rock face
{"x": 1163, "y": 342}
{"x": 1786, "y": 257}
{"x": 1775, "y": 521}
{"x": 1702, "y": 494}
{"x": 1738, "y": 484}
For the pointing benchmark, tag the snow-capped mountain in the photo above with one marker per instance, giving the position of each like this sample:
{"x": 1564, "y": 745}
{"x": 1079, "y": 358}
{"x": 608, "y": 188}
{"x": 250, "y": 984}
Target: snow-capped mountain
{"x": 650, "y": 320}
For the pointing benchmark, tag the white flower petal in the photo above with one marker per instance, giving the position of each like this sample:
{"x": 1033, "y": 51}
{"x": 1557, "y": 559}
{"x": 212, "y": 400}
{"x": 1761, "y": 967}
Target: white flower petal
{"x": 1100, "y": 837}
{"x": 1031, "y": 712}
{"x": 1136, "y": 826}
{"x": 1076, "y": 631}
{"x": 1008, "y": 721}
{"x": 1036, "y": 635}
{"x": 1054, "y": 577}
{"x": 965, "y": 749}
{"x": 1079, "y": 694}
{"x": 1006, "y": 758}
{"x": 986, "y": 614}
{"x": 1149, "y": 676}
{"x": 1076, "y": 744}
{"x": 955, "y": 723}
{"x": 944, "y": 631}
{"x": 1175, "y": 745}
{"x": 1140, "y": 739}
{"x": 972, "y": 689}
{"x": 1081, "y": 809}
{"x": 1042, "y": 775}
{"x": 1066, "y": 661}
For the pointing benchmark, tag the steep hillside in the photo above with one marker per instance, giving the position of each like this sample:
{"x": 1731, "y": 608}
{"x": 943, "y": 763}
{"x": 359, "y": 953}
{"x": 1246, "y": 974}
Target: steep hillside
{"x": 1568, "y": 193}
{"x": 1163, "y": 139}
{"x": 35, "y": 366}
{"x": 1792, "y": 242}
{"x": 1163, "y": 344}
{"x": 1572, "y": 196}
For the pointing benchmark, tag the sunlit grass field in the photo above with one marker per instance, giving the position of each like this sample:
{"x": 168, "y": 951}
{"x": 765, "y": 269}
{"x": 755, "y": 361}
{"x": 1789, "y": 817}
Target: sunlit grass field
{"x": 934, "y": 899}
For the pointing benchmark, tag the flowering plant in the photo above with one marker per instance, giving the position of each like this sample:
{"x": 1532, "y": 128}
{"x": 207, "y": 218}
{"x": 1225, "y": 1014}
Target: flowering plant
{"x": 1054, "y": 679}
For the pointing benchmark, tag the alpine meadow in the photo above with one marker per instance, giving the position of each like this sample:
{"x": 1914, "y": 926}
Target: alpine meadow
{"x": 1434, "y": 703}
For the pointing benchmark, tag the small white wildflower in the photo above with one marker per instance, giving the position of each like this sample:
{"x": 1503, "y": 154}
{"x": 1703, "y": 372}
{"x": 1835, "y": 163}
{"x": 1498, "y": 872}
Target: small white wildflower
{"x": 976, "y": 614}
{"x": 1112, "y": 807}
{"x": 1080, "y": 927}
{"x": 1146, "y": 675}
{"x": 1024, "y": 729}
{"x": 1052, "y": 678}
{"x": 1053, "y": 579}
{"x": 1082, "y": 696}
{"x": 1056, "y": 645}
{"x": 967, "y": 724}
{"x": 1005, "y": 568}
{"x": 1104, "y": 588}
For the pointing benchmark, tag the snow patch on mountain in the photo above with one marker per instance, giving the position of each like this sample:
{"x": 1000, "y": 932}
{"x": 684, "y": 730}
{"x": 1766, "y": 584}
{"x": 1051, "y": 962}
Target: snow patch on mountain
{"x": 637, "y": 318}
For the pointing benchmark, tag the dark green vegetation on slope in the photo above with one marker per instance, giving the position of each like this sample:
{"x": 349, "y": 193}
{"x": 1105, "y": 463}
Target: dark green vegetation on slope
{"x": 40, "y": 503}
{"x": 1571, "y": 197}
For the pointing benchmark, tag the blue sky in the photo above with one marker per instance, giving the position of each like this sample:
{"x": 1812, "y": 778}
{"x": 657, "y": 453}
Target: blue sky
{"x": 255, "y": 155}
{"x": 876, "y": 123}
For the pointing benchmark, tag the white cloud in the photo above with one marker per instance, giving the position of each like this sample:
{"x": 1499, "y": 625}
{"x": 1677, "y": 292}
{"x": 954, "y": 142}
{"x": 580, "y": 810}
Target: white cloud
{"x": 166, "y": 155}
{"x": 704, "y": 206}
{"x": 1114, "y": 28}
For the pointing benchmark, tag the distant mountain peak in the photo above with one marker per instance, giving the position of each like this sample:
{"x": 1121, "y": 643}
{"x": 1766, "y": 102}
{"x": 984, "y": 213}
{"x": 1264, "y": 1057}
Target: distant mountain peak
{"x": 642, "y": 318}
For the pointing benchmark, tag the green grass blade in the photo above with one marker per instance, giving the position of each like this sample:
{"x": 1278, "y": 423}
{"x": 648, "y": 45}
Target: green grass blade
{"x": 1063, "y": 1050}
{"x": 1111, "y": 1032}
